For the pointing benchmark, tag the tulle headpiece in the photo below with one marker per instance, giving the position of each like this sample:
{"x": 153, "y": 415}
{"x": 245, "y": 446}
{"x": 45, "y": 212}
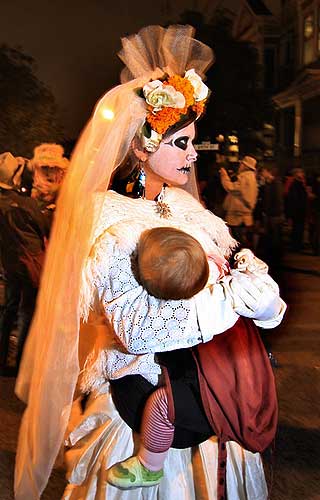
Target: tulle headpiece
{"x": 177, "y": 63}
{"x": 50, "y": 367}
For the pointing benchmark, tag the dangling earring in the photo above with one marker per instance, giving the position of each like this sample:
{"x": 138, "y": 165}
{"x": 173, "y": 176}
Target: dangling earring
{"x": 136, "y": 184}
{"x": 140, "y": 185}
{"x": 163, "y": 208}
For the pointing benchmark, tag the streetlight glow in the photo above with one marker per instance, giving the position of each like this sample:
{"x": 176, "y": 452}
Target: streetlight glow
{"x": 107, "y": 114}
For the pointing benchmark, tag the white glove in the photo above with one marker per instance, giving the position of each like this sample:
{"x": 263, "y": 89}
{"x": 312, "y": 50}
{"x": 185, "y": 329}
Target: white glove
{"x": 256, "y": 297}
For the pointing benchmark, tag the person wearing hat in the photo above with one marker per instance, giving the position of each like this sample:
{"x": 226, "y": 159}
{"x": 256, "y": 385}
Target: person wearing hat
{"x": 49, "y": 167}
{"x": 23, "y": 229}
{"x": 241, "y": 199}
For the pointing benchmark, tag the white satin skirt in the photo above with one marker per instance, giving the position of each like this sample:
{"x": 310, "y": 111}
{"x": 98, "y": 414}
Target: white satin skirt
{"x": 98, "y": 438}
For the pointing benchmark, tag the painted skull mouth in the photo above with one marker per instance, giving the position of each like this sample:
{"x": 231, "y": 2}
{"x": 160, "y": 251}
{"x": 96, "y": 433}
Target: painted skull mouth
{"x": 184, "y": 170}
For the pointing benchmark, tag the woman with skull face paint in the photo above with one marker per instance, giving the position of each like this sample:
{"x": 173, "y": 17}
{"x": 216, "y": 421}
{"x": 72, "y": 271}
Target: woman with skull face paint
{"x": 102, "y": 327}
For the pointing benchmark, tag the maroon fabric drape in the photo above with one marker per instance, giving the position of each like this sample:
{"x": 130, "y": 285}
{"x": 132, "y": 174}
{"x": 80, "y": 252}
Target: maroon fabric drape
{"x": 238, "y": 390}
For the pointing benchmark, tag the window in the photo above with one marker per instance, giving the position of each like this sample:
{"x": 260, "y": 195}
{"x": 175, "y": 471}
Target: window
{"x": 308, "y": 26}
{"x": 308, "y": 32}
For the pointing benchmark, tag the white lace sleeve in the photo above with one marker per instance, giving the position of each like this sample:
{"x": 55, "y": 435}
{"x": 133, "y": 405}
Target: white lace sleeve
{"x": 143, "y": 323}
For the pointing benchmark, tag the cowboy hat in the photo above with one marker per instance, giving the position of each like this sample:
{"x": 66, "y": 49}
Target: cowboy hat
{"x": 49, "y": 155}
{"x": 10, "y": 173}
{"x": 249, "y": 162}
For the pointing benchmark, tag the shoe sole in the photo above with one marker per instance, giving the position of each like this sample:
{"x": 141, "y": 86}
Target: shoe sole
{"x": 125, "y": 488}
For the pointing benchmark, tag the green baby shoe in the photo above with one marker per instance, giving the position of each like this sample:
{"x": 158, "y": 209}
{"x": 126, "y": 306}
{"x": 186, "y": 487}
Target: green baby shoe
{"x": 132, "y": 474}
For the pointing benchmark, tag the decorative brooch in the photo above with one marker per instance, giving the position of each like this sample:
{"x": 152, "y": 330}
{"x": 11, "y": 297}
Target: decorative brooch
{"x": 162, "y": 208}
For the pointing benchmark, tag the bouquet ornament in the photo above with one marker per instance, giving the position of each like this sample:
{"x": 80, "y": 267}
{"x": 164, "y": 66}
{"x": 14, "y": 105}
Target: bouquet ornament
{"x": 245, "y": 261}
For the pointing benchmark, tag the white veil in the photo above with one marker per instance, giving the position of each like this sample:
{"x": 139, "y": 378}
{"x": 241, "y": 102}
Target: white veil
{"x": 50, "y": 367}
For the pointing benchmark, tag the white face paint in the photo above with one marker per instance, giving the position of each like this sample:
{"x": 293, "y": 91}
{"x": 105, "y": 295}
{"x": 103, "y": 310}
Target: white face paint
{"x": 171, "y": 163}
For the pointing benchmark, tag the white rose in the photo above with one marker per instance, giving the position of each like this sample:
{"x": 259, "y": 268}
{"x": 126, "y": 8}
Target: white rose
{"x": 163, "y": 96}
{"x": 149, "y": 87}
{"x": 152, "y": 143}
{"x": 200, "y": 89}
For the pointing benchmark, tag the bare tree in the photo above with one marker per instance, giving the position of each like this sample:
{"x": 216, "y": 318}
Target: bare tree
{"x": 28, "y": 113}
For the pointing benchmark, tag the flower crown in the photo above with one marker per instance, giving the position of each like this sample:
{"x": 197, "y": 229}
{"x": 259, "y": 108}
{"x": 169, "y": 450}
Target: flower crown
{"x": 167, "y": 102}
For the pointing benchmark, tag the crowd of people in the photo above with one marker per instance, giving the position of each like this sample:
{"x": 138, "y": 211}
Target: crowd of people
{"x": 28, "y": 192}
{"x": 144, "y": 358}
{"x": 265, "y": 211}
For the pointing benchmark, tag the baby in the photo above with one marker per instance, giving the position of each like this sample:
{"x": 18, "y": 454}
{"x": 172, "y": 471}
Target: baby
{"x": 171, "y": 264}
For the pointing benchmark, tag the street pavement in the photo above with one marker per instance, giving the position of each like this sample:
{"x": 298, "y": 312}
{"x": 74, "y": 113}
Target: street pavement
{"x": 293, "y": 471}
{"x": 295, "y": 343}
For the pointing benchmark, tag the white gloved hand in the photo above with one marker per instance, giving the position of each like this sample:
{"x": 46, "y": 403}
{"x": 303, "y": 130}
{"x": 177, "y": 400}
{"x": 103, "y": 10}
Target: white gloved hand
{"x": 255, "y": 297}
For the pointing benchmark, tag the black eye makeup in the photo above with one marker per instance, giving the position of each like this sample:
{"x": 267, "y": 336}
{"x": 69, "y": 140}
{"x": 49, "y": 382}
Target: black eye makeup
{"x": 179, "y": 142}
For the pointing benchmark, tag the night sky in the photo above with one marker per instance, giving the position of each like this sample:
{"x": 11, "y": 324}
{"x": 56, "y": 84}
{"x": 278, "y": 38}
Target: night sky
{"x": 74, "y": 42}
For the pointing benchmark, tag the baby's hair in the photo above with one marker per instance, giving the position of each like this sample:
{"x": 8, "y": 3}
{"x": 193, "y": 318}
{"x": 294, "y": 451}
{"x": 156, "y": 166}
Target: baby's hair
{"x": 171, "y": 263}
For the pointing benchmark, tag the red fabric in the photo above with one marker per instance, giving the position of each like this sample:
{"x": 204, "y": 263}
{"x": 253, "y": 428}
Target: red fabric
{"x": 238, "y": 391}
{"x": 237, "y": 386}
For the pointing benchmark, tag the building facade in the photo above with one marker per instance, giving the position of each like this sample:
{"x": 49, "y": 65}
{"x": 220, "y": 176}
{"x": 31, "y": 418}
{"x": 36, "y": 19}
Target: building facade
{"x": 298, "y": 98}
{"x": 256, "y": 24}
{"x": 289, "y": 49}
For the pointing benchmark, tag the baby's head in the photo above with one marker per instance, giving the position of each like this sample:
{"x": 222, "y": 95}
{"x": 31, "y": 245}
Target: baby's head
{"x": 171, "y": 263}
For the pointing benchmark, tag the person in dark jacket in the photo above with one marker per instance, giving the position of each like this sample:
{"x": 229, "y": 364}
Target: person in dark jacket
{"x": 314, "y": 225}
{"x": 272, "y": 213}
{"x": 23, "y": 232}
{"x": 296, "y": 205}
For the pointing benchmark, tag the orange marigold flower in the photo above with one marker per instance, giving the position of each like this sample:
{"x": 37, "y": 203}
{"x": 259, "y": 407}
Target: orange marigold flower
{"x": 161, "y": 120}
{"x": 184, "y": 86}
{"x": 198, "y": 107}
